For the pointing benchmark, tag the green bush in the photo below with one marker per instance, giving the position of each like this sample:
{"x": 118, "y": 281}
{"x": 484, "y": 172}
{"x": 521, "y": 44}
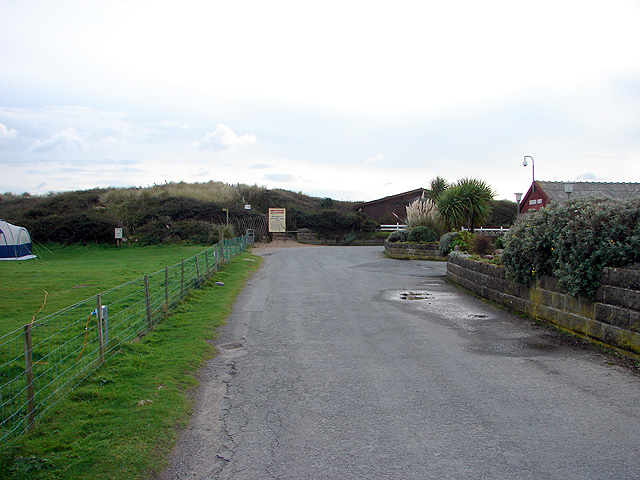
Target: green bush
{"x": 422, "y": 234}
{"x": 446, "y": 243}
{"x": 573, "y": 241}
{"x": 463, "y": 241}
{"x": 397, "y": 236}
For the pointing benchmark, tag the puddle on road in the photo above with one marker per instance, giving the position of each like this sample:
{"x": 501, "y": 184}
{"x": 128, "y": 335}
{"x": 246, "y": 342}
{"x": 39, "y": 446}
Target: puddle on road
{"x": 415, "y": 296}
{"x": 513, "y": 348}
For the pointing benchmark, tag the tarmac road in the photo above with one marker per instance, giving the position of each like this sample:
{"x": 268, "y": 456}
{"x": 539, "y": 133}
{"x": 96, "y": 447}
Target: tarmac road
{"x": 339, "y": 363}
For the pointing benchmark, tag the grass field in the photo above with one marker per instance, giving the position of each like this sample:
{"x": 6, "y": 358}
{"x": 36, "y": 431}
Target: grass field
{"x": 122, "y": 421}
{"x": 70, "y": 274}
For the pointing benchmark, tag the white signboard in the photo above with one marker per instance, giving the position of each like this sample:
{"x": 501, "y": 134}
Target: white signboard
{"x": 118, "y": 234}
{"x": 277, "y": 220}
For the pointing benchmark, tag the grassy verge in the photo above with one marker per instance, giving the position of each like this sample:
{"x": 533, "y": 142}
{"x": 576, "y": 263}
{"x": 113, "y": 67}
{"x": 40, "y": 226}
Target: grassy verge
{"x": 122, "y": 421}
{"x": 70, "y": 274}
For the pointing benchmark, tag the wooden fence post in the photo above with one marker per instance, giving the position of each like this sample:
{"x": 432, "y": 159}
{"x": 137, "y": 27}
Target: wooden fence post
{"x": 166, "y": 286}
{"x": 206, "y": 261}
{"x": 197, "y": 270}
{"x": 28, "y": 373}
{"x": 182, "y": 280}
{"x": 100, "y": 331}
{"x": 147, "y": 301}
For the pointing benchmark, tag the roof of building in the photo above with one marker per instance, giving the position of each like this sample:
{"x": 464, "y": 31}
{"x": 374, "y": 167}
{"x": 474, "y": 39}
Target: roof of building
{"x": 556, "y": 192}
{"x": 417, "y": 191}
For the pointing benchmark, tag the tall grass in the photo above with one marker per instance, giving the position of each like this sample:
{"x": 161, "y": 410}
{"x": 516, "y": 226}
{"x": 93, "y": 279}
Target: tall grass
{"x": 216, "y": 192}
{"x": 422, "y": 213}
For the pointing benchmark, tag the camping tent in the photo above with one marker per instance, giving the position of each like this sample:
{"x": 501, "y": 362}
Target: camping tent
{"x": 15, "y": 242}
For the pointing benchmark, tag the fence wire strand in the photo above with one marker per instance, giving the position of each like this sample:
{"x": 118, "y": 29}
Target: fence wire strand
{"x": 43, "y": 361}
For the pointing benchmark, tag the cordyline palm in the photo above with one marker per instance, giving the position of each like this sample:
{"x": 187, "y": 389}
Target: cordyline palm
{"x": 466, "y": 203}
{"x": 437, "y": 187}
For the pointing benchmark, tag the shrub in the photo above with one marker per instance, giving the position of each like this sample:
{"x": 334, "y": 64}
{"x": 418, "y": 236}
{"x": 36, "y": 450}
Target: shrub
{"x": 422, "y": 235}
{"x": 446, "y": 243}
{"x": 482, "y": 245}
{"x": 189, "y": 231}
{"x": 71, "y": 228}
{"x": 573, "y": 241}
{"x": 500, "y": 241}
{"x": 397, "y": 236}
{"x": 462, "y": 241}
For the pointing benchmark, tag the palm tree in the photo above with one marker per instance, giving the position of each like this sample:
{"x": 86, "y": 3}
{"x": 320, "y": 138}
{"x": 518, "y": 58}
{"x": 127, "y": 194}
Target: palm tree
{"x": 466, "y": 203}
{"x": 437, "y": 186}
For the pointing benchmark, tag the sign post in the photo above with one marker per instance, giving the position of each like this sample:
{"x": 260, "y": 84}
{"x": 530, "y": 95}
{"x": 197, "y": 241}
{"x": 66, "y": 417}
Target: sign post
{"x": 278, "y": 221}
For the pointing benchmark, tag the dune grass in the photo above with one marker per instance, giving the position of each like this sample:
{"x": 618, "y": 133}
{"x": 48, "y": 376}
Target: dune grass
{"x": 122, "y": 421}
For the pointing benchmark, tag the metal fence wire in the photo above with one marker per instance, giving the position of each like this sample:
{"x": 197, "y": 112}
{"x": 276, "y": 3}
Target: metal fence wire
{"x": 43, "y": 361}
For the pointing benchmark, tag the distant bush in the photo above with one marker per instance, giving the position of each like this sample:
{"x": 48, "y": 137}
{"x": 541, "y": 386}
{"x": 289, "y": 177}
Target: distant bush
{"x": 188, "y": 210}
{"x": 482, "y": 245}
{"x": 422, "y": 235}
{"x": 184, "y": 231}
{"x": 573, "y": 241}
{"x": 73, "y": 228}
{"x": 397, "y": 236}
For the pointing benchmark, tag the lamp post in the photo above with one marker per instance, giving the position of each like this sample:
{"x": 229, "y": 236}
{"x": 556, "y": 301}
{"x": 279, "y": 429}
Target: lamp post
{"x": 518, "y": 199}
{"x": 533, "y": 166}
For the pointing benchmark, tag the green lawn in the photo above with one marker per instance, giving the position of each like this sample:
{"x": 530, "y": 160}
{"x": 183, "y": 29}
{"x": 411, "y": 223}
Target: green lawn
{"x": 70, "y": 274}
{"x": 122, "y": 421}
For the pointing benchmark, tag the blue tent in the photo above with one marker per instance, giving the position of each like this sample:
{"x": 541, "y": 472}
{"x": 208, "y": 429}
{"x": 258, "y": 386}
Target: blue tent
{"x": 15, "y": 242}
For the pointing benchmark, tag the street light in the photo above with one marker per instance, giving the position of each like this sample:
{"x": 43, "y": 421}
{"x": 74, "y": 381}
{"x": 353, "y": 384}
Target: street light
{"x": 533, "y": 166}
{"x": 518, "y": 199}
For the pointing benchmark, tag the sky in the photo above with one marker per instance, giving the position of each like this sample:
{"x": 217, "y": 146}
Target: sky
{"x": 353, "y": 100}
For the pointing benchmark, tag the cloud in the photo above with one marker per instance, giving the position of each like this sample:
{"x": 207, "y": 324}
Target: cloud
{"x": 7, "y": 133}
{"x": 223, "y": 138}
{"x": 259, "y": 166}
{"x": 376, "y": 158}
{"x": 66, "y": 140}
{"x": 590, "y": 177}
{"x": 279, "y": 177}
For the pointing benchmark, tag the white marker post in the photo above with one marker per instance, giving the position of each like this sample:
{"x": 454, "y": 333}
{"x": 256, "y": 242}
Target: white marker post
{"x": 118, "y": 236}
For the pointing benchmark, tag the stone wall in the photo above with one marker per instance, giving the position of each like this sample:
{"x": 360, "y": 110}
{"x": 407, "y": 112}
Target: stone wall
{"x": 613, "y": 319}
{"x": 413, "y": 251}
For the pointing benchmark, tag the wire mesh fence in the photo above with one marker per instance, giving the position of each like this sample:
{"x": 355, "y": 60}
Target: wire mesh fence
{"x": 43, "y": 361}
